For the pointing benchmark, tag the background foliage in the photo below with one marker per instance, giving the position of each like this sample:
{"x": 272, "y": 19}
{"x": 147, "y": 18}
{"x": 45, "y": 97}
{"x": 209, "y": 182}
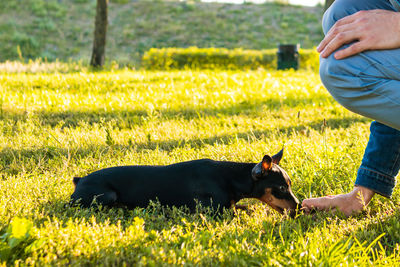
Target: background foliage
{"x": 221, "y": 58}
{"x": 63, "y": 29}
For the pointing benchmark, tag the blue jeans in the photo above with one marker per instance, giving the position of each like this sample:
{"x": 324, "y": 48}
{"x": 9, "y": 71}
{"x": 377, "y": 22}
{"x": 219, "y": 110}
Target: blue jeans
{"x": 368, "y": 84}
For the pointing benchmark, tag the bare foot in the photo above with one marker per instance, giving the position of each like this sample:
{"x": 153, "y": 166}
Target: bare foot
{"x": 348, "y": 204}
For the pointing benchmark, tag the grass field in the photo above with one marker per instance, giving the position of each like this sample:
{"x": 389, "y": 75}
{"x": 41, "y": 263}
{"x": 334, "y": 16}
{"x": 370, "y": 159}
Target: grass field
{"x": 56, "y": 126}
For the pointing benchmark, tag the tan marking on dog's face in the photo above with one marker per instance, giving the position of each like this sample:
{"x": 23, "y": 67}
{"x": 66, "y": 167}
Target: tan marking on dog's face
{"x": 280, "y": 205}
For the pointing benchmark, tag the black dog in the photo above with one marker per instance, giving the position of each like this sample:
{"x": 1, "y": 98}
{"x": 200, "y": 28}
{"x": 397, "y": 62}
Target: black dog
{"x": 216, "y": 184}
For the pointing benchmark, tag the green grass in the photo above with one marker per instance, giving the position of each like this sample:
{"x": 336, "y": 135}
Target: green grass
{"x": 55, "y": 29}
{"x": 56, "y": 126}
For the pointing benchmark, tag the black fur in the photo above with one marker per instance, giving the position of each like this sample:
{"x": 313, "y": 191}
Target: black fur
{"x": 217, "y": 184}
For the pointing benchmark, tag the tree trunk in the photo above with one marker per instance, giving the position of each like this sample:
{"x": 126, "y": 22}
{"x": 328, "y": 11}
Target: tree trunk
{"x": 328, "y": 3}
{"x": 100, "y": 31}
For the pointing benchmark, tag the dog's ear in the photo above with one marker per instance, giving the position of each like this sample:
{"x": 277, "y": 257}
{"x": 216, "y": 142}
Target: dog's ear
{"x": 277, "y": 157}
{"x": 261, "y": 168}
{"x": 266, "y": 163}
{"x": 76, "y": 180}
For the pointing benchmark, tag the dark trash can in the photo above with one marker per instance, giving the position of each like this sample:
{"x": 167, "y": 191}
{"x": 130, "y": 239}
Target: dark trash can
{"x": 288, "y": 56}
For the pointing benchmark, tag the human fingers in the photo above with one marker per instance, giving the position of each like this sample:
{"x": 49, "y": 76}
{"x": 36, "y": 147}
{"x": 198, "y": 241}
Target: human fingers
{"x": 338, "y": 41}
{"x": 353, "y": 49}
{"x": 340, "y": 26}
{"x": 337, "y": 32}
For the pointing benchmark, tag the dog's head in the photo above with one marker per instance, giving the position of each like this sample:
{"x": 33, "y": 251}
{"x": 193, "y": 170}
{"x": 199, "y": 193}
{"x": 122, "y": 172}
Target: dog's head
{"x": 273, "y": 186}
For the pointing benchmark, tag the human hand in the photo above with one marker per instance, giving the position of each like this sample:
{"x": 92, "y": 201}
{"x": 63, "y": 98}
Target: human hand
{"x": 369, "y": 30}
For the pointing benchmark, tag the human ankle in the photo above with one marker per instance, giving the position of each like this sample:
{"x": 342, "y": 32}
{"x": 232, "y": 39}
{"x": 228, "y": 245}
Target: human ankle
{"x": 362, "y": 194}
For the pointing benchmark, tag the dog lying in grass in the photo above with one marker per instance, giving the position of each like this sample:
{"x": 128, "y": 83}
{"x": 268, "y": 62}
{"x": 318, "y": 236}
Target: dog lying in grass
{"x": 215, "y": 184}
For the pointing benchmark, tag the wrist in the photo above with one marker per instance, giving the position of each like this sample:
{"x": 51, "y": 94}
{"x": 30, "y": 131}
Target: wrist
{"x": 396, "y": 20}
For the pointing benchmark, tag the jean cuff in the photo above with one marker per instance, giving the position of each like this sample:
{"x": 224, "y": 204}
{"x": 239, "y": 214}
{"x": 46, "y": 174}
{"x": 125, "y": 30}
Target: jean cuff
{"x": 378, "y": 182}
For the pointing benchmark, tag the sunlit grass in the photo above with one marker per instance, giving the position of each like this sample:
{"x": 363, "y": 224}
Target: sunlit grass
{"x": 57, "y": 126}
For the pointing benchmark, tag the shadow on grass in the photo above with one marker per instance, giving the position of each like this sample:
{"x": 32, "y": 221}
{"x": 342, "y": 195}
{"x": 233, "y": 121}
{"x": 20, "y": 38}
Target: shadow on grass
{"x": 135, "y": 116}
{"x": 384, "y": 220}
{"x": 197, "y": 226}
{"x": 249, "y": 135}
{"x": 157, "y": 217}
{"x": 10, "y": 155}
{"x": 281, "y": 232}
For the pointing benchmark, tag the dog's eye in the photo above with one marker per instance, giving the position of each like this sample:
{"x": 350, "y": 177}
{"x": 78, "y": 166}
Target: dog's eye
{"x": 282, "y": 188}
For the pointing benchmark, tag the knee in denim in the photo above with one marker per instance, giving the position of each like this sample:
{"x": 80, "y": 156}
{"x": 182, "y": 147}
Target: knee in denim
{"x": 339, "y": 9}
{"x": 340, "y": 83}
{"x": 328, "y": 19}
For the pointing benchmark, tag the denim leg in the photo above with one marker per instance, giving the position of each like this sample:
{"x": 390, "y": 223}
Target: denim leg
{"x": 381, "y": 161}
{"x": 368, "y": 84}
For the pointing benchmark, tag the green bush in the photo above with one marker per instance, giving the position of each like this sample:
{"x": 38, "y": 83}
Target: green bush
{"x": 18, "y": 240}
{"x": 26, "y": 45}
{"x": 81, "y": 1}
{"x": 220, "y": 58}
{"x": 309, "y": 59}
{"x": 120, "y": 1}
